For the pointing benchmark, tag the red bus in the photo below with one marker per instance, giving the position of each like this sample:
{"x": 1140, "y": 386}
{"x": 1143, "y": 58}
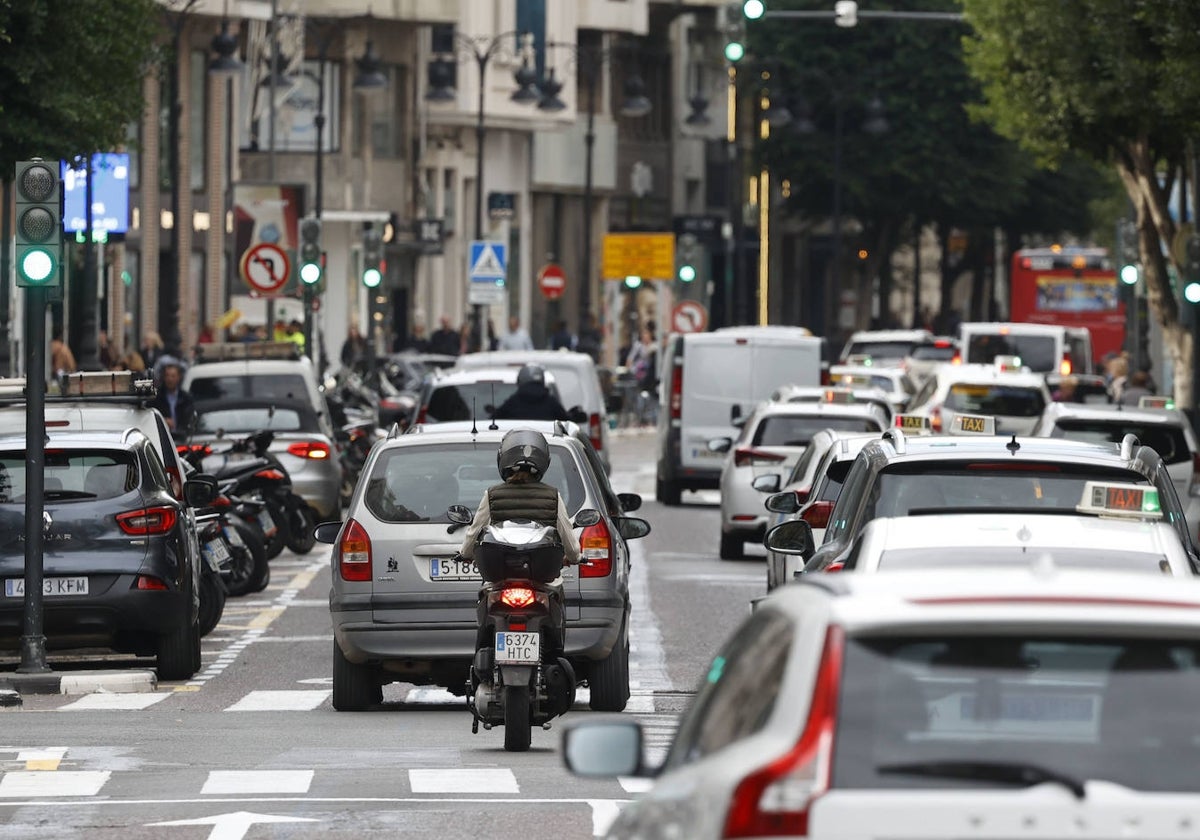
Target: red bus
{"x": 1069, "y": 287}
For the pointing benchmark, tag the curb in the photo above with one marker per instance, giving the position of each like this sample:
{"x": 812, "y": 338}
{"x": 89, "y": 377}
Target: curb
{"x": 77, "y": 682}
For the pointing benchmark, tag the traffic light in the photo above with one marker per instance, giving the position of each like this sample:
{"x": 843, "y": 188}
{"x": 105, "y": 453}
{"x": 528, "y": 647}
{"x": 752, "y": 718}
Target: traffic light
{"x": 735, "y": 32}
{"x": 1127, "y": 252}
{"x": 845, "y": 13}
{"x": 372, "y": 273}
{"x": 310, "y": 251}
{"x": 39, "y": 223}
{"x": 686, "y": 254}
{"x": 754, "y": 9}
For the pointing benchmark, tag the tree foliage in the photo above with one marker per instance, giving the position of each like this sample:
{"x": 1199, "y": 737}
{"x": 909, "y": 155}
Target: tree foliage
{"x": 1115, "y": 80}
{"x": 71, "y": 74}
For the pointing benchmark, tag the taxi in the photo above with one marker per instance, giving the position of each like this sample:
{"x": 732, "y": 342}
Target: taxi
{"x": 1005, "y": 390}
{"x": 936, "y": 704}
{"x": 1120, "y": 527}
{"x": 772, "y": 440}
{"x": 893, "y": 381}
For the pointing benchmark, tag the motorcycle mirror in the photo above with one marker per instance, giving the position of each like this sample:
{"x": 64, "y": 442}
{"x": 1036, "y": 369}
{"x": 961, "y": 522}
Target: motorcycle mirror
{"x": 327, "y": 532}
{"x": 459, "y": 514}
{"x": 586, "y": 517}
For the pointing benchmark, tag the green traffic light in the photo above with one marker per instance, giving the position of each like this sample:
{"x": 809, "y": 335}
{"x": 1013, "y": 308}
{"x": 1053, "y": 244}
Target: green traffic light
{"x": 1129, "y": 274}
{"x": 633, "y": 281}
{"x": 310, "y": 273}
{"x": 687, "y": 273}
{"x": 37, "y": 266}
{"x": 1191, "y": 292}
{"x": 735, "y": 51}
{"x": 754, "y": 9}
{"x": 372, "y": 278}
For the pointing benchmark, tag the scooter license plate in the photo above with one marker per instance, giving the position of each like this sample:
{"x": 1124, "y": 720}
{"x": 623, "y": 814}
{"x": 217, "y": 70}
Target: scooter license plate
{"x": 518, "y": 648}
{"x": 235, "y": 539}
{"x": 217, "y": 551}
{"x": 267, "y": 523}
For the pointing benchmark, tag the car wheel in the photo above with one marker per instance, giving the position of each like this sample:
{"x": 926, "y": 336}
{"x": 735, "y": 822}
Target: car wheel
{"x": 609, "y": 678}
{"x": 733, "y": 547}
{"x": 355, "y": 687}
{"x": 179, "y": 652}
{"x": 668, "y": 493}
{"x": 212, "y": 602}
{"x": 517, "y": 734}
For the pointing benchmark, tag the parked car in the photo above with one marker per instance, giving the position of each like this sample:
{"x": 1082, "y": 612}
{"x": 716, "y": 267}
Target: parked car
{"x": 404, "y": 609}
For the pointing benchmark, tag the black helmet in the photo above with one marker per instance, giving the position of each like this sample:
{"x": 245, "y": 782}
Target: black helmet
{"x": 523, "y": 449}
{"x": 531, "y": 373}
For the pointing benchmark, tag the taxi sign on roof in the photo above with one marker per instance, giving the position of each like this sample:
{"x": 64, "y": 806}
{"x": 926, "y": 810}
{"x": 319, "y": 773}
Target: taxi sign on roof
{"x": 1107, "y": 499}
{"x": 913, "y": 424}
{"x": 1156, "y": 402}
{"x": 838, "y": 396}
{"x": 1008, "y": 364}
{"x": 859, "y": 359}
{"x": 973, "y": 424}
{"x": 862, "y": 379}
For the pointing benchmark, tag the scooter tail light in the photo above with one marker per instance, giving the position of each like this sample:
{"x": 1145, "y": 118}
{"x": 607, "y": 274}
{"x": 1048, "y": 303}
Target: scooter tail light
{"x": 817, "y": 514}
{"x": 595, "y": 551}
{"x": 313, "y": 450}
{"x": 518, "y": 597}
{"x": 775, "y": 800}
{"x": 354, "y": 553}
{"x": 270, "y": 475}
{"x": 147, "y": 521}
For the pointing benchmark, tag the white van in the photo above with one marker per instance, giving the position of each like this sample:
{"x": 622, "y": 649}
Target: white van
{"x": 712, "y": 380}
{"x": 1043, "y": 348}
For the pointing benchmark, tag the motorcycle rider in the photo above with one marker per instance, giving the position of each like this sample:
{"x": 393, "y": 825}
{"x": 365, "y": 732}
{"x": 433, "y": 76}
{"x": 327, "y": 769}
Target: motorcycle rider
{"x": 523, "y": 458}
{"x": 532, "y": 399}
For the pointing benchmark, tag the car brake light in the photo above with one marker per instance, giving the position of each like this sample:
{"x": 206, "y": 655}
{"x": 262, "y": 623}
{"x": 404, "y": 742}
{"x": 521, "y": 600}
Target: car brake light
{"x": 1064, "y": 367}
{"x": 594, "y": 431}
{"x": 817, "y": 514}
{"x": 956, "y": 359}
{"x": 774, "y": 801}
{"x": 676, "y": 403}
{"x": 354, "y": 553}
{"x": 595, "y": 549}
{"x": 517, "y": 597}
{"x": 148, "y": 521}
{"x": 148, "y": 582}
{"x": 270, "y": 475}
{"x": 835, "y": 566}
{"x": 744, "y": 456}
{"x": 176, "y": 482}
{"x": 943, "y": 343}
{"x": 315, "y": 450}
{"x": 935, "y": 418}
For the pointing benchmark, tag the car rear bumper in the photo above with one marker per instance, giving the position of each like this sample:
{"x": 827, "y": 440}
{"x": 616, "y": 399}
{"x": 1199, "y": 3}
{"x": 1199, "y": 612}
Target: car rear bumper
{"x": 320, "y": 486}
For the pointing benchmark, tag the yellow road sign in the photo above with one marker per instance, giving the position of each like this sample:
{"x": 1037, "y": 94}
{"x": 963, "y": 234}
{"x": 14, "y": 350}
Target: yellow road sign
{"x": 650, "y": 256}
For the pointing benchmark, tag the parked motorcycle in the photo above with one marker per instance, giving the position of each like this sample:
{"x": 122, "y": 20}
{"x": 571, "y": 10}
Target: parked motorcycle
{"x": 519, "y": 679}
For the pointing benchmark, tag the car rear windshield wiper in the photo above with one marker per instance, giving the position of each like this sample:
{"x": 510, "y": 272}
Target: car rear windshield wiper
{"x": 998, "y": 771}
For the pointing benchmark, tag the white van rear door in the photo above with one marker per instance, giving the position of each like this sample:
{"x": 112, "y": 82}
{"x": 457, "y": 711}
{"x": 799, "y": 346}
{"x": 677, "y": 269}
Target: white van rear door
{"x": 715, "y": 378}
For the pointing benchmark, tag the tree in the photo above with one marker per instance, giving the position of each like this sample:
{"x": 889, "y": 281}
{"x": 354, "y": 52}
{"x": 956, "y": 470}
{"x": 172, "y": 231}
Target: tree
{"x": 71, "y": 75}
{"x": 1117, "y": 81}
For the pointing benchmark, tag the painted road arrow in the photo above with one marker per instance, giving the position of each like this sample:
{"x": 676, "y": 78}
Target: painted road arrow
{"x": 234, "y": 826}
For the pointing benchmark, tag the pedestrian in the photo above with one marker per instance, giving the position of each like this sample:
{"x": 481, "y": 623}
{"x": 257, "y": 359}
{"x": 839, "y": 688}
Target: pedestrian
{"x": 562, "y": 338}
{"x": 445, "y": 339}
{"x": 109, "y": 357}
{"x": 295, "y": 334}
{"x": 417, "y": 342}
{"x": 173, "y": 402}
{"x": 642, "y": 362}
{"x": 1137, "y": 386}
{"x": 590, "y": 339}
{"x": 517, "y": 337}
{"x": 152, "y": 348}
{"x": 493, "y": 342}
{"x": 354, "y": 348}
{"x": 62, "y": 360}
{"x": 132, "y": 361}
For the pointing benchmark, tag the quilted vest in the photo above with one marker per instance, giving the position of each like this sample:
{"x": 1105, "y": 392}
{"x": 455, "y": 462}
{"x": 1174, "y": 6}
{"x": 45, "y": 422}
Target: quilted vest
{"x": 533, "y": 500}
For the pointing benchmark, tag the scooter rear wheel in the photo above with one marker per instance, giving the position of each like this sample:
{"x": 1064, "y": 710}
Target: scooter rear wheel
{"x": 301, "y": 522}
{"x": 517, "y": 735}
{"x": 212, "y": 601}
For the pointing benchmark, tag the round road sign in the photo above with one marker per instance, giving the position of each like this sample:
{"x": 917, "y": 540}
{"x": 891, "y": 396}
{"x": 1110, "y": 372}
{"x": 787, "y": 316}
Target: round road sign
{"x": 265, "y": 267}
{"x": 689, "y": 316}
{"x": 552, "y": 281}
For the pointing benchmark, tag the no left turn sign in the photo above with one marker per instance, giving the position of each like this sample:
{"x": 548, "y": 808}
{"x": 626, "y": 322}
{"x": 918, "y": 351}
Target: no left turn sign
{"x": 689, "y": 316}
{"x": 266, "y": 268}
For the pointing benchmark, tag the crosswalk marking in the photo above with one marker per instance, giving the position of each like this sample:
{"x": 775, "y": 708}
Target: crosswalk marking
{"x": 19, "y": 784}
{"x": 463, "y": 780}
{"x": 280, "y": 701}
{"x": 220, "y": 782}
{"x": 127, "y": 702}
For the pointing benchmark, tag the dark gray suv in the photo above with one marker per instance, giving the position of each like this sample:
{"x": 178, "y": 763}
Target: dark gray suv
{"x": 403, "y": 608}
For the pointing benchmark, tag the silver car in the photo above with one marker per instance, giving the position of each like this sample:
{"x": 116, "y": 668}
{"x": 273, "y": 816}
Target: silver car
{"x": 404, "y": 609}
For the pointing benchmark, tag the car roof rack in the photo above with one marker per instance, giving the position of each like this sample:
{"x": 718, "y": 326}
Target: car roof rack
{"x": 237, "y": 350}
{"x": 1128, "y": 444}
{"x": 121, "y": 386}
{"x": 897, "y": 439}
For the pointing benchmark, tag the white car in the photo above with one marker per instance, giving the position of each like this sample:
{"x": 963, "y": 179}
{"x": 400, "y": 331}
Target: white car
{"x": 883, "y": 347}
{"x": 933, "y": 704}
{"x": 893, "y": 381}
{"x": 772, "y": 440}
{"x": 1109, "y": 536}
{"x": 1016, "y": 398}
{"x": 924, "y": 358}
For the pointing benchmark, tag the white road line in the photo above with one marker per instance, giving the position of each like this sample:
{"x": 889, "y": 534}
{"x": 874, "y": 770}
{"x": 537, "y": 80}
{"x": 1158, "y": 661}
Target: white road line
{"x": 731, "y": 580}
{"x": 476, "y": 780}
{"x": 649, "y": 661}
{"x": 38, "y": 783}
{"x": 280, "y": 701}
{"x": 115, "y": 702}
{"x": 225, "y": 782}
{"x": 292, "y": 639}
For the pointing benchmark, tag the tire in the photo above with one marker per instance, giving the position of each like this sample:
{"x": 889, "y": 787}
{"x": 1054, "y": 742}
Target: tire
{"x": 250, "y": 570}
{"x": 212, "y": 601}
{"x": 609, "y": 678}
{"x": 277, "y": 543}
{"x": 355, "y": 687}
{"x": 301, "y": 522}
{"x": 179, "y": 652}
{"x": 668, "y": 493}
{"x": 517, "y": 733}
{"x": 733, "y": 547}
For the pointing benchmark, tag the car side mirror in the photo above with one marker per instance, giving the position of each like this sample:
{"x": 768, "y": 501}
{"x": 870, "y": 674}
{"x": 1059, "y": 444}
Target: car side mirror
{"x": 629, "y": 501}
{"x": 603, "y": 748}
{"x": 200, "y": 490}
{"x": 768, "y": 483}
{"x": 586, "y": 517}
{"x": 632, "y": 528}
{"x": 459, "y": 514}
{"x": 327, "y": 532}
{"x": 720, "y": 444}
{"x": 577, "y": 415}
{"x": 785, "y": 502}
{"x": 792, "y": 537}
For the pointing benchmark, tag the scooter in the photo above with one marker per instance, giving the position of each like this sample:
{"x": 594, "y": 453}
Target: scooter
{"x": 519, "y": 678}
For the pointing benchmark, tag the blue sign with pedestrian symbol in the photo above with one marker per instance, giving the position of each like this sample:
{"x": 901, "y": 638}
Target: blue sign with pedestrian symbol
{"x": 487, "y": 266}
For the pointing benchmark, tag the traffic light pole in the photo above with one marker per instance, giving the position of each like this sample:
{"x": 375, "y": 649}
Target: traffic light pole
{"x": 33, "y": 639}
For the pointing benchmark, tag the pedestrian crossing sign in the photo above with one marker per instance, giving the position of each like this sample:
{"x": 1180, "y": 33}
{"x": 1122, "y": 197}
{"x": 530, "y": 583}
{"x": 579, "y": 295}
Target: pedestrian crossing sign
{"x": 488, "y": 262}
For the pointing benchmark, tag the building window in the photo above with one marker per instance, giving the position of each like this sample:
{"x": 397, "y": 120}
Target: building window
{"x": 388, "y": 114}
{"x": 197, "y": 117}
{"x": 449, "y": 199}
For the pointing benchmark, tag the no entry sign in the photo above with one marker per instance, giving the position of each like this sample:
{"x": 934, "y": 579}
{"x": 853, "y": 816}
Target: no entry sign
{"x": 552, "y": 281}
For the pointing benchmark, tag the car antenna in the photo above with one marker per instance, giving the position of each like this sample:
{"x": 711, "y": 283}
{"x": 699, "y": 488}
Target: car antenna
{"x": 474, "y": 429}
{"x": 1012, "y": 446}
{"x": 493, "y": 427}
